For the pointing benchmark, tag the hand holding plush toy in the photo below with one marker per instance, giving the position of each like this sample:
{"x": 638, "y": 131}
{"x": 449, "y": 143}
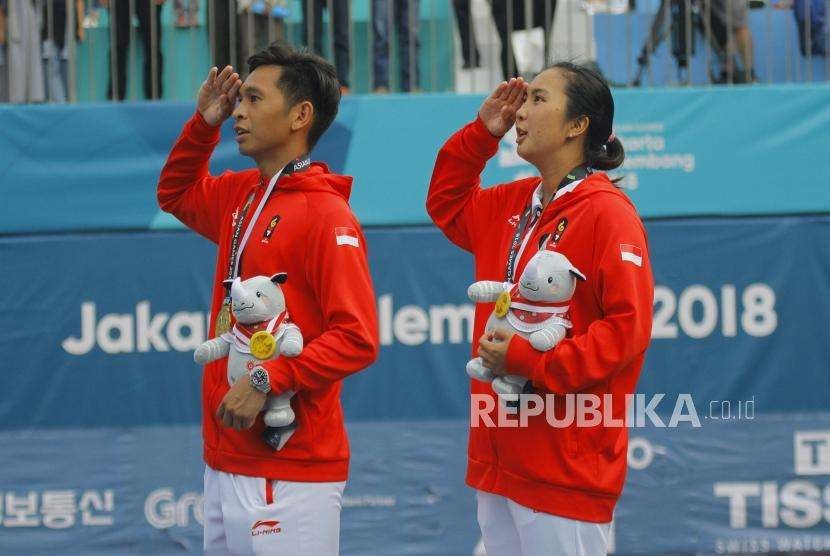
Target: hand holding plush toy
{"x": 262, "y": 332}
{"x": 536, "y": 308}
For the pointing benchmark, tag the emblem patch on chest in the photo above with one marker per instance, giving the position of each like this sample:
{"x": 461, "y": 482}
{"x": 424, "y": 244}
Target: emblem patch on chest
{"x": 269, "y": 231}
{"x": 559, "y": 231}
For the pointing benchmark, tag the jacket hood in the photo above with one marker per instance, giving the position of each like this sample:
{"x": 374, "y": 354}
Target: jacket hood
{"x": 319, "y": 178}
{"x": 597, "y": 183}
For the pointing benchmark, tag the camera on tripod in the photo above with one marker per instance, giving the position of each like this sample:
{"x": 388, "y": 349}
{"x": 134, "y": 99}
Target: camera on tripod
{"x": 681, "y": 20}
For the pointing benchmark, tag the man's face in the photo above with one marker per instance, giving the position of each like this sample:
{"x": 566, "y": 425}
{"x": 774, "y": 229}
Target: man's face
{"x": 263, "y": 120}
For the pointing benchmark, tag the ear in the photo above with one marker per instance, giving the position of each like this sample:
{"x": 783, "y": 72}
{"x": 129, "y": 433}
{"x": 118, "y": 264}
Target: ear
{"x": 279, "y": 278}
{"x": 578, "y": 126}
{"x": 302, "y": 115}
{"x": 577, "y": 274}
{"x": 227, "y": 283}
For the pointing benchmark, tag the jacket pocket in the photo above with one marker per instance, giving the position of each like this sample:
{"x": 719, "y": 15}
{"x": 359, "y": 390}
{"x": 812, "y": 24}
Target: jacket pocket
{"x": 572, "y": 442}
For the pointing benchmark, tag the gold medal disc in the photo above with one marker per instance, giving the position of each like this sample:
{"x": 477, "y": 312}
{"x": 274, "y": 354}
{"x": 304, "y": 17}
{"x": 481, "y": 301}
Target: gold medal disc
{"x": 502, "y": 305}
{"x": 263, "y": 345}
{"x": 223, "y": 320}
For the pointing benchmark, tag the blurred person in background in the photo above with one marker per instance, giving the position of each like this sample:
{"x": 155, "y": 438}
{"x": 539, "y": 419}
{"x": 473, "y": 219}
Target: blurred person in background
{"x": 406, "y": 17}
{"x": 260, "y": 24}
{"x": 466, "y": 33}
{"x": 56, "y": 36}
{"x": 23, "y": 73}
{"x": 186, "y": 13}
{"x": 256, "y": 23}
{"x": 735, "y": 15}
{"x": 539, "y": 491}
{"x": 313, "y": 32}
{"x": 149, "y": 26}
{"x": 219, "y": 33}
{"x": 811, "y": 21}
{"x": 4, "y": 93}
{"x": 542, "y": 12}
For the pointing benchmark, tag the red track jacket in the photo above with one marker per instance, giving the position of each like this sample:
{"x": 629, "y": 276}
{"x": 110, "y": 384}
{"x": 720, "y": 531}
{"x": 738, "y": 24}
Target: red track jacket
{"x": 574, "y": 472}
{"x": 329, "y": 294}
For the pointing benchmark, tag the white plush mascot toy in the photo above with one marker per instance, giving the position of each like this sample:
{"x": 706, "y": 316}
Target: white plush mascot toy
{"x": 536, "y": 308}
{"x": 262, "y": 332}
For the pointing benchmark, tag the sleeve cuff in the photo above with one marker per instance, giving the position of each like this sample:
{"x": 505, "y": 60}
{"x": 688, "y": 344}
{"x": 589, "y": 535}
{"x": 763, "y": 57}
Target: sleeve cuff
{"x": 201, "y": 131}
{"x": 484, "y": 142}
{"x": 522, "y": 357}
{"x": 279, "y": 376}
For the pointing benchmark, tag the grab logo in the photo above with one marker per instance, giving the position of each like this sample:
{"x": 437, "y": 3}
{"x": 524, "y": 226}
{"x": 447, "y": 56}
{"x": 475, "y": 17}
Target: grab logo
{"x": 163, "y": 509}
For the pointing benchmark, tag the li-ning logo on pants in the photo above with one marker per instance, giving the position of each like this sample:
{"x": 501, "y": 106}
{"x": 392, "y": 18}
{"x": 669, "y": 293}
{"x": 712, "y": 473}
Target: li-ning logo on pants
{"x": 263, "y": 527}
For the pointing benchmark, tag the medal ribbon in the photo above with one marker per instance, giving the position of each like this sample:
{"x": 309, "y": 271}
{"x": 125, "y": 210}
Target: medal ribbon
{"x": 239, "y": 337}
{"x": 240, "y": 333}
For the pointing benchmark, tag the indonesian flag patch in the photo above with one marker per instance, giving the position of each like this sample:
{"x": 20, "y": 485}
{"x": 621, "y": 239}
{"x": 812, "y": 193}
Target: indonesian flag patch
{"x": 631, "y": 253}
{"x": 346, "y": 236}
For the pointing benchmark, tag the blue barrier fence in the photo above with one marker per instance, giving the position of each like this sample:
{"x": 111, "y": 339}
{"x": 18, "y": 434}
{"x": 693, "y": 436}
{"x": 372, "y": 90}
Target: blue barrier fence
{"x": 103, "y": 396}
{"x": 727, "y": 151}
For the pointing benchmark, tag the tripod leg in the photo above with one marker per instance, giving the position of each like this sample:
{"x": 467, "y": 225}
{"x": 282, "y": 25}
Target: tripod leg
{"x": 656, "y": 35}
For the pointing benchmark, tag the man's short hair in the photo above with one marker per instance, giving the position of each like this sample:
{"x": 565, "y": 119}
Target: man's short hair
{"x": 305, "y": 76}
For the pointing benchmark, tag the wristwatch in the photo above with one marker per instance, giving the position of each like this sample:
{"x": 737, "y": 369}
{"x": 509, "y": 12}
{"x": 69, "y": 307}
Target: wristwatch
{"x": 259, "y": 380}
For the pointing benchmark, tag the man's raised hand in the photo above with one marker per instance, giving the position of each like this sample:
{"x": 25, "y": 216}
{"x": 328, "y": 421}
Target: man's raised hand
{"x": 217, "y": 95}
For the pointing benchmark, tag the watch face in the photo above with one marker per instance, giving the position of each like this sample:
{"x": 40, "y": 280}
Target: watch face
{"x": 259, "y": 379}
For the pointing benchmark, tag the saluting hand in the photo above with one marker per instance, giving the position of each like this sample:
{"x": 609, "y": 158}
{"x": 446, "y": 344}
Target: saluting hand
{"x": 217, "y": 96}
{"x": 499, "y": 109}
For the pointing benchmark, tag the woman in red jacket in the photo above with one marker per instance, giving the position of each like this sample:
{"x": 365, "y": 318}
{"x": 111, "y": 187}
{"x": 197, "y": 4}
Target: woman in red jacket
{"x": 546, "y": 489}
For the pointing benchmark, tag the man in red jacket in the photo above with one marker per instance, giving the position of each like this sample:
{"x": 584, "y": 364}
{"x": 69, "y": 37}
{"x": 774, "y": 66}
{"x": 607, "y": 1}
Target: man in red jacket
{"x": 286, "y": 216}
{"x": 541, "y": 490}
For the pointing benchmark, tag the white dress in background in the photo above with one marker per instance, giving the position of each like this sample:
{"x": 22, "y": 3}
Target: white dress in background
{"x": 22, "y": 72}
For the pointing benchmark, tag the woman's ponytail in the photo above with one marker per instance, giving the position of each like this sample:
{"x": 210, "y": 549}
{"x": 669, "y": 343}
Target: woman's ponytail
{"x": 589, "y": 95}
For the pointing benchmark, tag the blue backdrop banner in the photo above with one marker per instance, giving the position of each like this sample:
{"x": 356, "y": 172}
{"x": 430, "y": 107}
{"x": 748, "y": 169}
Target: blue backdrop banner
{"x": 689, "y": 152}
{"x": 99, "y": 421}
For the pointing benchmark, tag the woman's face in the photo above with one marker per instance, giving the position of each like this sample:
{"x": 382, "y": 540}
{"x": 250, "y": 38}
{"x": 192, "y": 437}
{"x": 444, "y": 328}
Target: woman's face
{"x": 541, "y": 123}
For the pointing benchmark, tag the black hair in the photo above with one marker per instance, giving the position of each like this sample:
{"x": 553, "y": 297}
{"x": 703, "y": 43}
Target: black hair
{"x": 588, "y": 95}
{"x": 305, "y": 76}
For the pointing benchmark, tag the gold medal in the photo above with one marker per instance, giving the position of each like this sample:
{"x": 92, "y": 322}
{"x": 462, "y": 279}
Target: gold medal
{"x": 263, "y": 345}
{"x": 223, "y": 320}
{"x": 502, "y": 305}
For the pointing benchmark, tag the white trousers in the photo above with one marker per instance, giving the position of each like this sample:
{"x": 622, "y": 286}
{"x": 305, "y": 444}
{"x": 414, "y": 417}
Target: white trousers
{"x": 510, "y": 529}
{"x": 249, "y": 515}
